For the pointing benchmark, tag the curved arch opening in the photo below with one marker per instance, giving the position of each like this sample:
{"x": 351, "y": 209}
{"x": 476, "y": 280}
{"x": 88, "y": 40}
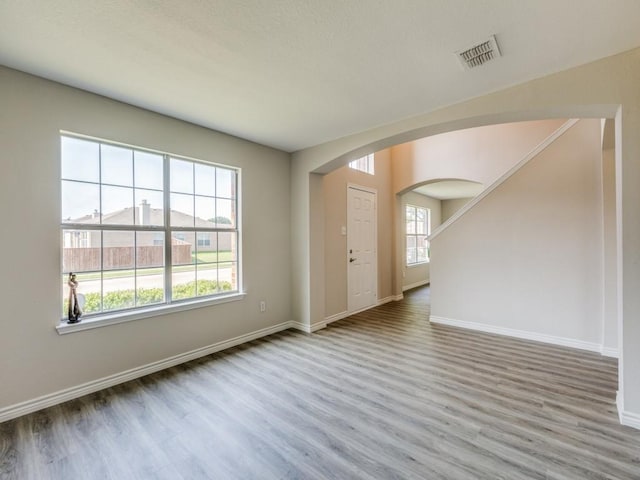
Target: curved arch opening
{"x": 449, "y": 188}
{"x": 603, "y": 89}
{"x": 442, "y": 186}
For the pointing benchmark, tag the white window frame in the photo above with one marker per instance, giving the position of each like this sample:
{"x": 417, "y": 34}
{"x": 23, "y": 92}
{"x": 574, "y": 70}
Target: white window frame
{"x": 415, "y": 235}
{"x": 103, "y": 318}
{"x": 364, "y": 164}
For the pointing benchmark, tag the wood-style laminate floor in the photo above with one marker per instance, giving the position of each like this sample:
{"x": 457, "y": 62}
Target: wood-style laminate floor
{"x": 380, "y": 395}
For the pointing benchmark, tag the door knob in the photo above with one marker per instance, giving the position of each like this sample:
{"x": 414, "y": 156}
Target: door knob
{"x": 352, "y": 260}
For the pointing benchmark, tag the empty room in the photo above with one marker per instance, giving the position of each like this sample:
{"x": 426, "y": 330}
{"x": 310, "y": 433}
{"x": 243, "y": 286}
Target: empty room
{"x": 320, "y": 240}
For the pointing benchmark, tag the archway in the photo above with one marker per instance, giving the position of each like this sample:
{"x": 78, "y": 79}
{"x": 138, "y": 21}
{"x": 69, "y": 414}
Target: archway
{"x": 309, "y": 291}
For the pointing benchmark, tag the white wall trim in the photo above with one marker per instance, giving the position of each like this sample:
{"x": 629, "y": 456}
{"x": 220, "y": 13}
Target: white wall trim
{"x": 533, "y": 153}
{"x": 104, "y": 320}
{"x": 29, "y": 406}
{"x": 610, "y": 352}
{"x": 630, "y": 419}
{"x": 391, "y": 298}
{"x": 362, "y": 188}
{"x": 308, "y": 328}
{"x": 300, "y": 326}
{"x": 626, "y": 418}
{"x": 318, "y": 326}
{"x": 414, "y": 285}
{"x": 340, "y": 315}
{"x": 523, "y": 334}
{"x": 337, "y": 316}
{"x": 364, "y": 309}
{"x": 620, "y": 404}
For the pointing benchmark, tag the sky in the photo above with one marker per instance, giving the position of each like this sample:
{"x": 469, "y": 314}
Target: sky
{"x": 109, "y": 178}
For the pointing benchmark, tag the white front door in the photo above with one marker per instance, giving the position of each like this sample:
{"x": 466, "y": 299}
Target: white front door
{"x": 361, "y": 249}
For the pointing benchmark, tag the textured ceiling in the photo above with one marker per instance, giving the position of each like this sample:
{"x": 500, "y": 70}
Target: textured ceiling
{"x": 293, "y": 73}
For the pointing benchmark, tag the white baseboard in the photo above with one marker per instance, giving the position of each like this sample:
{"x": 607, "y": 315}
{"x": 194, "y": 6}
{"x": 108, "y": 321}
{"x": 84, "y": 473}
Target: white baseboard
{"x": 29, "y": 406}
{"x": 525, "y": 335}
{"x": 340, "y": 315}
{"x": 414, "y": 285}
{"x": 300, "y": 326}
{"x": 609, "y": 352}
{"x": 629, "y": 419}
{"x": 391, "y": 298}
{"x": 336, "y": 316}
{"x": 317, "y": 326}
{"x": 620, "y": 404}
{"x": 626, "y": 418}
{"x": 307, "y": 328}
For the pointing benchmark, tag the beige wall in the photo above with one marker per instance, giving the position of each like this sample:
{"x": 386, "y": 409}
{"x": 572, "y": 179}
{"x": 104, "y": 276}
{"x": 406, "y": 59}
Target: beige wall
{"x": 415, "y": 275}
{"x": 335, "y": 215}
{"x": 480, "y": 154}
{"x": 451, "y": 206}
{"x": 528, "y": 256}
{"x": 606, "y": 88}
{"x": 34, "y": 359}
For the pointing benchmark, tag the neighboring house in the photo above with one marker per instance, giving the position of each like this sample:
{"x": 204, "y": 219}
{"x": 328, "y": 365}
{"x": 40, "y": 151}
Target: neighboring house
{"x": 82, "y": 252}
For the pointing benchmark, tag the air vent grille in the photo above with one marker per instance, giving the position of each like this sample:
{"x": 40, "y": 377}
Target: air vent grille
{"x": 479, "y": 54}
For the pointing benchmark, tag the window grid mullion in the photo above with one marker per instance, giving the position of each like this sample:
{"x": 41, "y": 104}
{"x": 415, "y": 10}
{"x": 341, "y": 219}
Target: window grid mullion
{"x": 195, "y": 234}
{"x": 135, "y": 267}
{"x": 102, "y": 270}
{"x": 166, "y": 230}
{"x": 168, "y": 281}
{"x": 415, "y": 234}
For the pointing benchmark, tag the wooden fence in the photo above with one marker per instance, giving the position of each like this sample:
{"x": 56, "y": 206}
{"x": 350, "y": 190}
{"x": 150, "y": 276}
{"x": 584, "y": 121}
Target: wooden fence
{"x": 88, "y": 259}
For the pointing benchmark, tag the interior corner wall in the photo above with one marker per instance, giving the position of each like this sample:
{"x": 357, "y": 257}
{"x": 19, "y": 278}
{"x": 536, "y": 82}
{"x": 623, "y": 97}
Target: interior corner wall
{"x": 419, "y": 274}
{"x": 451, "y": 206}
{"x": 528, "y": 256}
{"x": 34, "y": 359}
{"x": 335, "y": 218}
{"x": 610, "y": 306}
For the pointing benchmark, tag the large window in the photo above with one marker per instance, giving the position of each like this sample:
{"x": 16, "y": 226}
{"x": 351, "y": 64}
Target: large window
{"x": 142, "y": 228}
{"x": 364, "y": 164}
{"x": 418, "y": 228}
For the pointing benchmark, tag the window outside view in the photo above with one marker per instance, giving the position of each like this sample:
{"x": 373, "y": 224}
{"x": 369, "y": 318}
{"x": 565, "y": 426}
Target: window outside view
{"x": 418, "y": 228}
{"x": 364, "y": 164}
{"x": 119, "y": 216}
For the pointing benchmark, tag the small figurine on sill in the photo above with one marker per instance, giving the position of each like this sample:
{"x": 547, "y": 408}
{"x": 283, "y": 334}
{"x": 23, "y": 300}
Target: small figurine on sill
{"x": 74, "y": 306}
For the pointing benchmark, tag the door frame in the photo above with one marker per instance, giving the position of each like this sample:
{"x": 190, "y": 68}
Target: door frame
{"x": 374, "y": 192}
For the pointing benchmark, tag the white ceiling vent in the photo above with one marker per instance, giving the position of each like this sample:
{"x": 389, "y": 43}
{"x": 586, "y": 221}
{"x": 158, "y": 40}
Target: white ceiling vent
{"x": 475, "y": 56}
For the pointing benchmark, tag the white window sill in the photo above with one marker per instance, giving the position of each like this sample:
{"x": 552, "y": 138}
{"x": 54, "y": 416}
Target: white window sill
{"x": 418, "y": 264}
{"x": 99, "y": 321}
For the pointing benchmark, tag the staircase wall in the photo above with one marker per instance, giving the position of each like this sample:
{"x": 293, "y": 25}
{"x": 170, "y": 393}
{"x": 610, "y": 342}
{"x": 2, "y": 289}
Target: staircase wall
{"x": 527, "y": 260}
{"x": 480, "y": 154}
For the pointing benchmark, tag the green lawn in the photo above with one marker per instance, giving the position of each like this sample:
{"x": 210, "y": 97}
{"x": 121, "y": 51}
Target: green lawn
{"x": 212, "y": 257}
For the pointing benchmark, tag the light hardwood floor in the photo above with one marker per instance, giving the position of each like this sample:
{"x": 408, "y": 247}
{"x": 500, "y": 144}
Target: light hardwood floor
{"x": 380, "y": 395}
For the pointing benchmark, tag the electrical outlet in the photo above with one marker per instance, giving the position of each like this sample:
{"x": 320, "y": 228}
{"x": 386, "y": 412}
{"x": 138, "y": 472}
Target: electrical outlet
{"x": 263, "y": 306}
